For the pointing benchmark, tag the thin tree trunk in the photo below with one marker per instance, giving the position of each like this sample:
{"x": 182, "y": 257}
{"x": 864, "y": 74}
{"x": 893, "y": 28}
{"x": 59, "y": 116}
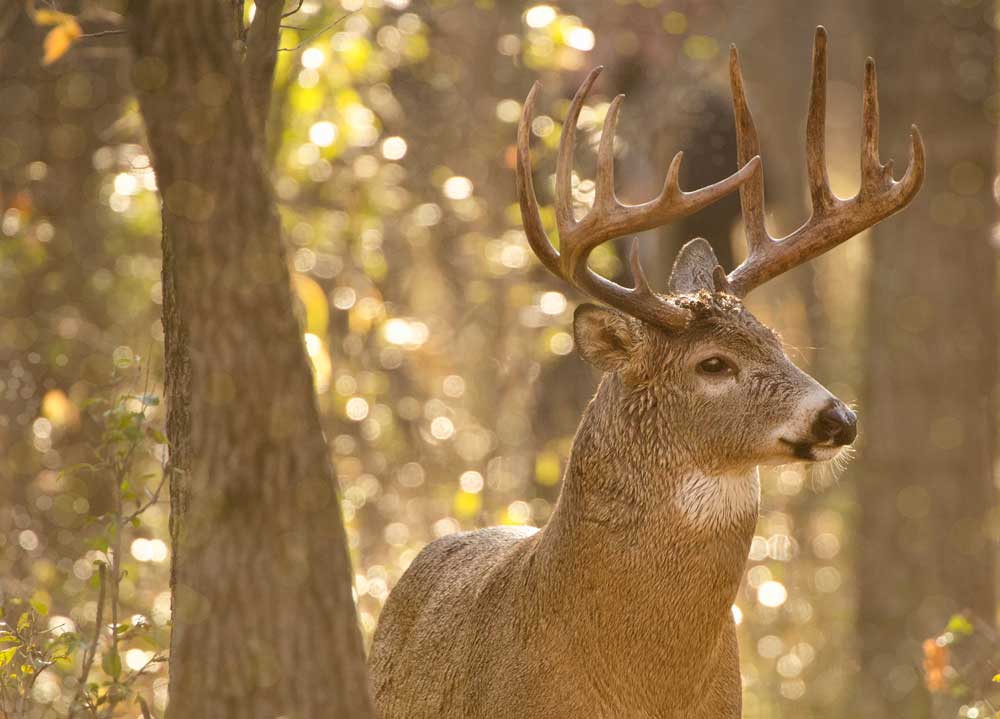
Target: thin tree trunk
{"x": 925, "y": 473}
{"x": 263, "y": 617}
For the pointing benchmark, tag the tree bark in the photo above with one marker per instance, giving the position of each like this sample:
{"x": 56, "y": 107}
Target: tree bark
{"x": 263, "y": 617}
{"x": 925, "y": 483}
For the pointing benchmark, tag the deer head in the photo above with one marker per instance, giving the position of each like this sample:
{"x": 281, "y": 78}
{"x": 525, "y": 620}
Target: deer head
{"x": 717, "y": 376}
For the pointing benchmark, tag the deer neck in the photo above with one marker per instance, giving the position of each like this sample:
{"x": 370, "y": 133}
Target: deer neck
{"x": 645, "y": 551}
{"x": 631, "y": 464}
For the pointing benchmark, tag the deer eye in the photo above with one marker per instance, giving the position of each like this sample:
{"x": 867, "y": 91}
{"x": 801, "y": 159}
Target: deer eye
{"x": 715, "y": 366}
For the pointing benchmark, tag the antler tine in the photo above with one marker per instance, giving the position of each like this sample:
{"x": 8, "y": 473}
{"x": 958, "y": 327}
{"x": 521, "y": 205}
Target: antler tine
{"x": 530, "y": 216}
{"x": 874, "y": 175}
{"x": 833, "y": 220}
{"x": 604, "y": 193}
{"x": 747, "y": 146}
{"x": 564, "y": 159}
{"x": 913, "y": 178}
{"x": 819, "y": 183}
{"x": 577, "y": 246}
{"x": 638, "y": 274}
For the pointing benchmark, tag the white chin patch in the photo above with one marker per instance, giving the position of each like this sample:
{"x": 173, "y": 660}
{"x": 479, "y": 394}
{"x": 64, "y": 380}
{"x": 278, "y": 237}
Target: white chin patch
{"x": 825, "y": 452}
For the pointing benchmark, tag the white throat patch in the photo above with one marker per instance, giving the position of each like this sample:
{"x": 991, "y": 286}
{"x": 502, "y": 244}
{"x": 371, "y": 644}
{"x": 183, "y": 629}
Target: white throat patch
{"x": 718, "y": 502}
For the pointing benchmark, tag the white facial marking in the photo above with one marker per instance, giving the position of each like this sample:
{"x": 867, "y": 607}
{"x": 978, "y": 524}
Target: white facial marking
{"x": 799, "y": 427}
{"x": 718, "y": 502}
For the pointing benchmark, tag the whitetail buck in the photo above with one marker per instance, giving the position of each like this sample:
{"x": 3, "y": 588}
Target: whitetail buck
{"x": 619, "y": 607}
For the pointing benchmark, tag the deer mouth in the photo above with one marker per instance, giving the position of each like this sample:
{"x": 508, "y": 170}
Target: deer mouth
{"x": 814, "y": 451}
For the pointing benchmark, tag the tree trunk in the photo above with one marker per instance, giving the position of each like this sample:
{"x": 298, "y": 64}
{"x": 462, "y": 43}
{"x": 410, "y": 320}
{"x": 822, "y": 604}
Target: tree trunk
{"x": 925, "y": 473}
{"x": 263, "y": 617}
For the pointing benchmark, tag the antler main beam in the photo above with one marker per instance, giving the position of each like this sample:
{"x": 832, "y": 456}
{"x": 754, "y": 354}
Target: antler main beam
{"x": 833, "y": 219}
{"x": 609, "y": 218}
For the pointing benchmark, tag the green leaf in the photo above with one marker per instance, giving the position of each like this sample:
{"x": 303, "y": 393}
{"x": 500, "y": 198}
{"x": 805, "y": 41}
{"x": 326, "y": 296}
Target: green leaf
{"x": 112, "y": 664}
{"x": 9, "y": 639}
{"x": 6, "y": 655}
{"x": 100, "y": 543}
{"x": 149, "y": 642}
{"x": 40, "y": 607}
{"x": 67, "y": 639}
{"x": 24, "y": 621}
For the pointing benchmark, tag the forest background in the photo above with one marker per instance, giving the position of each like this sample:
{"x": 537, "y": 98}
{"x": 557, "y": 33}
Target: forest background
{"x": 441, "y": 351}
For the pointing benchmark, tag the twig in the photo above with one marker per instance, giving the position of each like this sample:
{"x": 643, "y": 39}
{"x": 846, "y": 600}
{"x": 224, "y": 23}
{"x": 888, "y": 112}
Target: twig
{"x": 91, "y": 651}
{"x": 152, "y": 500}
{"x": 103, "y": 33}
{"x": 292, "y": 12}
{"x": 34, "y": 678}
{"x": 320, "y": 32}
{"x": 116, "y": 559}
{"x": 155, "y": 659}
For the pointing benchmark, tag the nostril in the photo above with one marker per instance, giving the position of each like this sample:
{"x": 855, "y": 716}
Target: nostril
{"x": 838, "y": 423}
{"x": 850, "y": 429}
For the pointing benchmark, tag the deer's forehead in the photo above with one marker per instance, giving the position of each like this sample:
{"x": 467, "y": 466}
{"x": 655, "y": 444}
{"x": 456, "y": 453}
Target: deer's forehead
{"x": 740, "y": 333}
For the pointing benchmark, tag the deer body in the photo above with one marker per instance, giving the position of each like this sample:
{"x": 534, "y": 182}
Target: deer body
{"x": 620, "y": 607}
{"x": 602, "y": 613}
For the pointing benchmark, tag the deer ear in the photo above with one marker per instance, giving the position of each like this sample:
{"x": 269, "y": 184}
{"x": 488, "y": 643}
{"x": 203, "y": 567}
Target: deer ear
{"x": 605, "y": 338}
{"x": 693, "y": 268}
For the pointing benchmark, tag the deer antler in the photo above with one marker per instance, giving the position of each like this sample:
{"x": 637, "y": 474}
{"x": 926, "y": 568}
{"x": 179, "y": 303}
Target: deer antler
{"x": 833, "y": 219}
{"x": 609, "y": 218}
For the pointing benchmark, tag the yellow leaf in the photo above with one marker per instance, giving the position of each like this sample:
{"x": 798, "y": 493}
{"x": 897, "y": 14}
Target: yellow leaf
{"x": 314, "y": 302}
{"x": 52, "y": 17}
{"x": 60, "y": 39}
{"x": 6, "y": 655}
{"x": 996, "y": 678}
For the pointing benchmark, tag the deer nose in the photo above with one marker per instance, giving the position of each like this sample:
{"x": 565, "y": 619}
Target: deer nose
{"x": 836, "y": 422}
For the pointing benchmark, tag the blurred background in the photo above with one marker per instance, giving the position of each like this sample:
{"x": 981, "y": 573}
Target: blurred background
{"x": 442, "y": 350}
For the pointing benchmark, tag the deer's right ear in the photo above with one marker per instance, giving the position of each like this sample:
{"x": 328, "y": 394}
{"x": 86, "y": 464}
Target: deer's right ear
{"x": 694, "y": 268}
{"x": 605, "y": 338}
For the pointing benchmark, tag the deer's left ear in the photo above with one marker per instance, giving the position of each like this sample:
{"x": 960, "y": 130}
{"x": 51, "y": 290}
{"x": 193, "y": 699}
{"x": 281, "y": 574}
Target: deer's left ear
{"x": 605, "y": 338}
{"x": 694, "y": 268}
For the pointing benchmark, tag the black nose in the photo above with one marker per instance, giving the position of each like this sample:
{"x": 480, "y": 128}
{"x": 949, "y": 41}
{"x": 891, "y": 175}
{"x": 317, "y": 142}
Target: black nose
{"x": 836, "y": 422}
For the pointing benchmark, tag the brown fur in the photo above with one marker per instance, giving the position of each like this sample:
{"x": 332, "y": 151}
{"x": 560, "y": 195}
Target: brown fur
{"x": 620, "y": 606}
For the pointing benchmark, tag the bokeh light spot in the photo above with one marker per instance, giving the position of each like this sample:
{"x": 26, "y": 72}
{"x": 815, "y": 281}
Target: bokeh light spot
{"x": 540, "y": 16}
{"x": 772, "y": 593}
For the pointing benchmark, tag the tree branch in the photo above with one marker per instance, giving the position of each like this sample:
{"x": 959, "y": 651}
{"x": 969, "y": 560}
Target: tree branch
{"x": 298, "y": 7}
{"x": 91, "y": 651}
{"x": 261, "y": 55}
{"x": 328, "y": 26}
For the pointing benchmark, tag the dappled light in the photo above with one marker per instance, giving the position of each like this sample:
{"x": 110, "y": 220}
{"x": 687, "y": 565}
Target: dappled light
{"x": 443, "y": 355}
